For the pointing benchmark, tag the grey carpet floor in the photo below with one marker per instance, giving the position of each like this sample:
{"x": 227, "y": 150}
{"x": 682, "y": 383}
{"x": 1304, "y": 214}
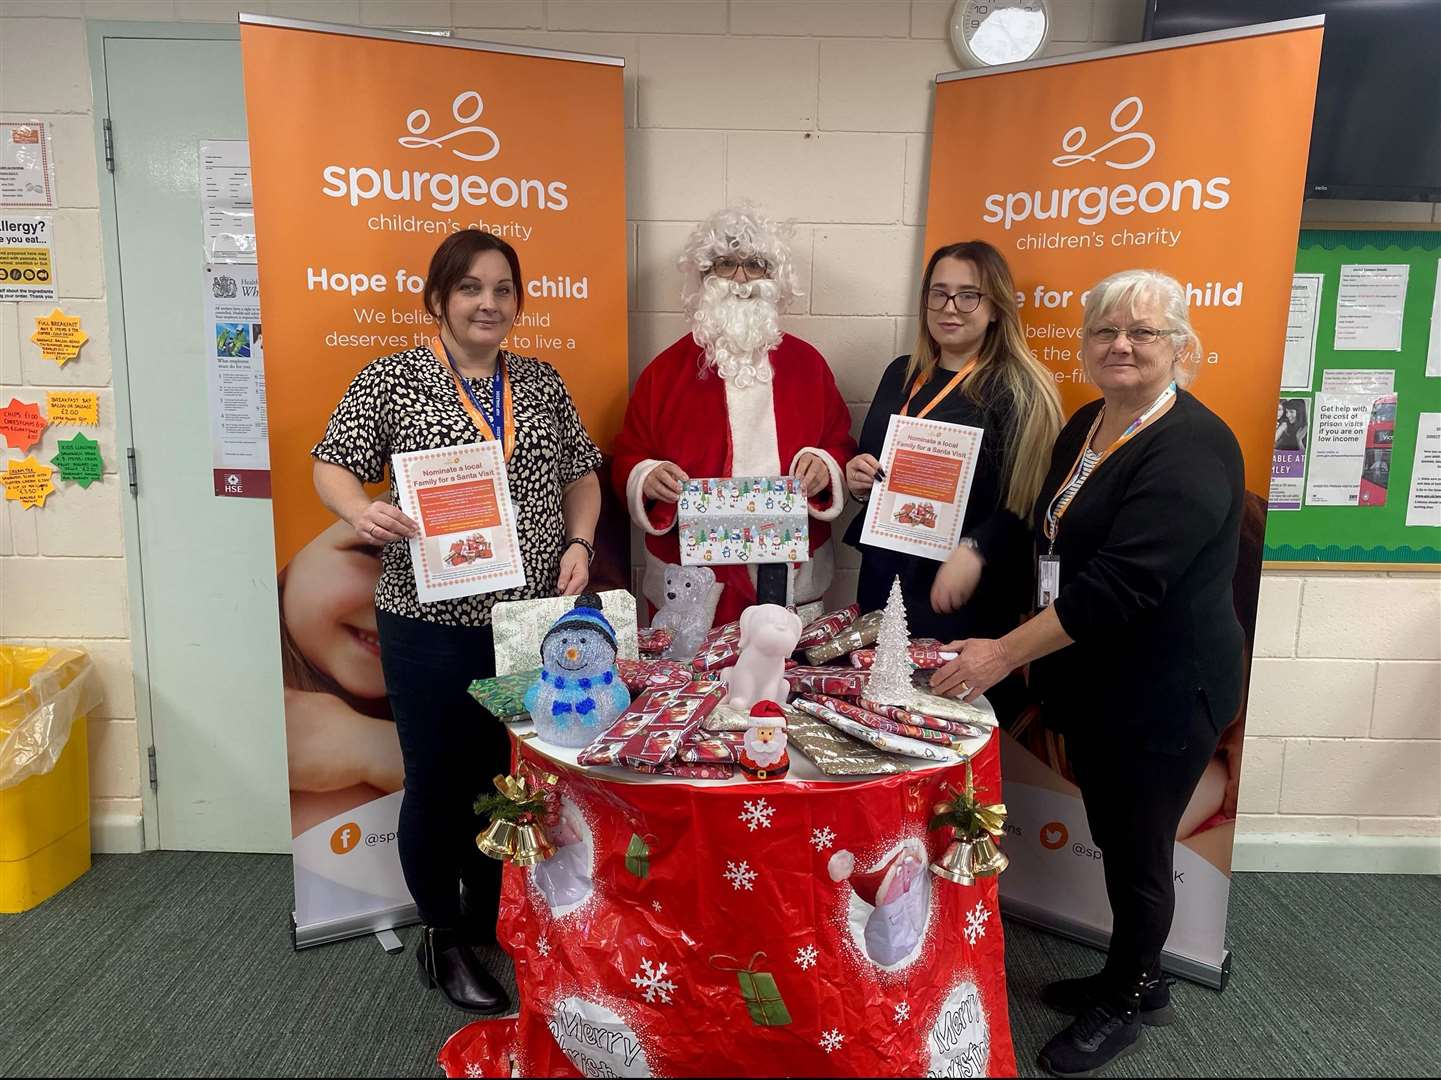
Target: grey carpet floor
{"x": 179, "y": 964}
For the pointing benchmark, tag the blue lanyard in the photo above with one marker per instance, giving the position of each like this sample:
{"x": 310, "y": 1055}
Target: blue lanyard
{"x": 496, "y": 417}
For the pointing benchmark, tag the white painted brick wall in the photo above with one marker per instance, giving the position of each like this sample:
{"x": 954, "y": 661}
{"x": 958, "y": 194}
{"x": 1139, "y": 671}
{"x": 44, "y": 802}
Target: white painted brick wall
{"x": 819, "y": 109}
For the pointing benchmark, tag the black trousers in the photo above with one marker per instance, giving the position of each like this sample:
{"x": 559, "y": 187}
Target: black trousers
{"x": 452, "y": 748}
{"x": 1134, "y": 802}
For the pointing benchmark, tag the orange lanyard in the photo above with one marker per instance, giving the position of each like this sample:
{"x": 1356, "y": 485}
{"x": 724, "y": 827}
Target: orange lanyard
{"x": 966, "y": 369}
{"x": 467, "y": 401}
{"x": 1059, "y": 504}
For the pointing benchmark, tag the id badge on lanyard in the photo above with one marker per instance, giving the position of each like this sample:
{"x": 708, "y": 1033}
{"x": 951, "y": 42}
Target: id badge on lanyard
{"x": 1048, "y": 580}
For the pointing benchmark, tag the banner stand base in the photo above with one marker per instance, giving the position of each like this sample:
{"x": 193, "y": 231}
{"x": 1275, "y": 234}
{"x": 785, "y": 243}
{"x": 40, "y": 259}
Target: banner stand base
{"x": 370, "y": 922}
{"x": 1184, "y": 967}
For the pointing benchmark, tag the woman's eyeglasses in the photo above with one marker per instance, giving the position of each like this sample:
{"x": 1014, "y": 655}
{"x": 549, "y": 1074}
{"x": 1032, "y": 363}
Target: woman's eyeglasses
{"x": 1137, "y": 335}
{"x": 965, "y": 301}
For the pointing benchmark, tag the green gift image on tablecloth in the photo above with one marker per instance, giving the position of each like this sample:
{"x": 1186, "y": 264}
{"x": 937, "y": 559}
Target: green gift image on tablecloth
{"x": 637, "y": 856}
{"x": 759, "y": 990}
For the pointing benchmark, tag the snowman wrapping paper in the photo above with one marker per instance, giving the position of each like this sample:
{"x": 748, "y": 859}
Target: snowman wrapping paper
{"x": 780, "y": 929}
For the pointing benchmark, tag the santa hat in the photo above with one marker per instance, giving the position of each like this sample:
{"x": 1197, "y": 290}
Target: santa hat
{"x": 765, "y": 713}
{"x": 586, "y": 614}
{"x": 868, "y": 884}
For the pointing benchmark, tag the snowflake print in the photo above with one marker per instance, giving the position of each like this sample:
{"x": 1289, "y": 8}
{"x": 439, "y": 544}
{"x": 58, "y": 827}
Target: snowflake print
{"x": 473, "y": 1069}
{"x": 655, "y": 905}
{"x": 757, "y": 814}
{"x": 651, "y": 979}
{"x": 831, "y": 1040}
{"x": 740, "y": 875}
{"x": 543, "y": 946}
{"x": 976, "y": 922}
{"x": 821, "y": 839}
{"x": 806, "y": 957}
{"x": 903, "y": 1011}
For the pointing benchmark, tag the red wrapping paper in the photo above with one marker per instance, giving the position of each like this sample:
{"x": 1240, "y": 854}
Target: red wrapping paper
{"x": 885, "y": 723}
{"x": 837, "y": 681}
{"x": 827, "y": 626}
{"x": 653, "y": 674}
{"x": 654, "y": 640}
{"x": 925, "y": 654}
{"x": 639, "y": 971}
{"x": 921, "y": 720}
{"x": 649, "y": 733}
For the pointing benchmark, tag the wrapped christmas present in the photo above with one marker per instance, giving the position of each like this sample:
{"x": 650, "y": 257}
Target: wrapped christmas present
{"x": 837, "y": 754}
{"x": 720, "y": 649}
{"x": 958, "y": 728}
{"x": 725, "y": 718}
{"x": 946, "y": 708}
{"x": 650, "y": 673}
{"x": 836, "y": 681}
{"x": 827, "y": 626}
{"x": 858, "y": 635}
{"x": 877, "y": 722}
{"x": 654, "y": 640}
{"x": 925, "y": 653}
{"x": 881, "y": 740}
{"x": 504, "y": 695}
{"x": 711, "y": 748}
{"x": 650, "y": 732}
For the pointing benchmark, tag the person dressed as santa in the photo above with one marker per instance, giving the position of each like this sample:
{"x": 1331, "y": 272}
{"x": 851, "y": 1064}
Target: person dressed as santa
{"x": 735, "y": 397}
{"x": 899, "y": 894}
{"x": 763, "y": 754}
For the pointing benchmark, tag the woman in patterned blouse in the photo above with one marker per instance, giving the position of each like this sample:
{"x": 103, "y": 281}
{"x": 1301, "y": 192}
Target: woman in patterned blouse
{"x": 460, "y": 389}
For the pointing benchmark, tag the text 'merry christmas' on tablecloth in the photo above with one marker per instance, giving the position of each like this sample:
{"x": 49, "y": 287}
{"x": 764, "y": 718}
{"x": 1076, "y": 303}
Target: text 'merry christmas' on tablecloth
{"x": 743, "y": 519}
{"x": 920, "y": 505}
{"x": 460, "y": 498}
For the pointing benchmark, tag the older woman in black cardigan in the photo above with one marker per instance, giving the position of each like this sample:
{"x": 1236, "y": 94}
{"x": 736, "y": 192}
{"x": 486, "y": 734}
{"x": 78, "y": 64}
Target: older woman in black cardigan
{"x": 1136, "y": 654}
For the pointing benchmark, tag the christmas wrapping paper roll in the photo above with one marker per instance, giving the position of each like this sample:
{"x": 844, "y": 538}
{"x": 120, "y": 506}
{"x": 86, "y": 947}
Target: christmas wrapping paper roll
{"x": 827, "y": 626}
{"x": 785, "y": 929}
{"x": 858, "y": 635}
{"x": 881, "y": 740}
{"x": 925, "y": 653}
{"x": 878, "y": 722}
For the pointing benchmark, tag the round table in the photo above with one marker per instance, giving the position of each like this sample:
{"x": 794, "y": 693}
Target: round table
{"x": 737, "y": 928}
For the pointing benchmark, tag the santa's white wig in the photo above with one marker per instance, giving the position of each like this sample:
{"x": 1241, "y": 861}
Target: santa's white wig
{"x": 740, "y": 230}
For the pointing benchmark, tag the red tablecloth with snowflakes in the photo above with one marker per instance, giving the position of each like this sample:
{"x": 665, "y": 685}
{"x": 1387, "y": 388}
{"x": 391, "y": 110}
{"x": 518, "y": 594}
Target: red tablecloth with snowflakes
{"x": 760, "y": 929}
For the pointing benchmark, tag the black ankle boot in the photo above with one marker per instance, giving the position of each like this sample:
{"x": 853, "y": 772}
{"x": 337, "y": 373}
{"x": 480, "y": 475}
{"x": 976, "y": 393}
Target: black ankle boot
{"x": 1075, "y": 996}
{"x": 446, "y": 962}
{"x": 1107, "y": 1030}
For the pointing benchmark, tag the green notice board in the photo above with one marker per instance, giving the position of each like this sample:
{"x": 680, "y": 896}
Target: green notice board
{"x": 1319, "y": 535}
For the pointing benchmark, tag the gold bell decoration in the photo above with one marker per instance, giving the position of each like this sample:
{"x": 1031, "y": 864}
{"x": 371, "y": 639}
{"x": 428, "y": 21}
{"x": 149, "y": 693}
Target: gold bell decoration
{"x": 972, "y": 852}
{"x": 518, "y": 813}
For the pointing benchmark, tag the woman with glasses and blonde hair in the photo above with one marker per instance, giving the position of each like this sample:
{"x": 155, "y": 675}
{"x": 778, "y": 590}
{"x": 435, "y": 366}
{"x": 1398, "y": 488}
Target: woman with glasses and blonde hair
{"x": 1136, "y": 654}
{"x": 971, "y": 366}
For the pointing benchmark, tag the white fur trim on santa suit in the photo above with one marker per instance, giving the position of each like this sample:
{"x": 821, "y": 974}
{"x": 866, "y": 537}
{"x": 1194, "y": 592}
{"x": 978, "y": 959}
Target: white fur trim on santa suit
{"x": 838, "y": 491}
{"x": 635, "y": 496}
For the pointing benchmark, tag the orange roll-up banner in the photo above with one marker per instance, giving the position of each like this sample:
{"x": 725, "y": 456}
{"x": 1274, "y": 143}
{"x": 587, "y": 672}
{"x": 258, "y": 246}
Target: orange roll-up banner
{"x": 368, "y": 148}
{"x": 1187, "y": 156}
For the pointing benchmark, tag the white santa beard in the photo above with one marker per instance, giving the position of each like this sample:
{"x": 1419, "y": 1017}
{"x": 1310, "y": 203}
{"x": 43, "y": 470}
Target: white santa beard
{"x": 737, "y": 323}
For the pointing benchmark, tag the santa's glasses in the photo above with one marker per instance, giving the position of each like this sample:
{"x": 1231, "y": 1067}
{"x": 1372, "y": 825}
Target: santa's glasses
{"x": 728, "y": 266}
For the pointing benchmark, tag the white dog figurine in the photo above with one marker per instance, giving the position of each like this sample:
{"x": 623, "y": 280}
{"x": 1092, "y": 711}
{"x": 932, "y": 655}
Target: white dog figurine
{"x": 768, "y": 635}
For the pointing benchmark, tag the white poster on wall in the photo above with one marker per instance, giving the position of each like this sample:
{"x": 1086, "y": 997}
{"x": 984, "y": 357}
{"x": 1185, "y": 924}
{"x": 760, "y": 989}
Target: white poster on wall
{"x": 27, "y": 266}
{"x": 1424, "y": 505}
{"x": 1369, "y": 305}
{"x": 1338, "y": 449}
{"x": 235, "y": 373}
{"x": 225, "y": 195}
{"x": 27, "y": 171}
{"x": 1433, "y": 345}
{"x": 1300, "y": 355}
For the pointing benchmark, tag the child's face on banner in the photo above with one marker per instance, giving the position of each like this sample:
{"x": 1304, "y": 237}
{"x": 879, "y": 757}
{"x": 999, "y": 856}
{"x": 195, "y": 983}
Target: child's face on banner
{"x": 481, "y": 308}
{"x": 329, "y": 607}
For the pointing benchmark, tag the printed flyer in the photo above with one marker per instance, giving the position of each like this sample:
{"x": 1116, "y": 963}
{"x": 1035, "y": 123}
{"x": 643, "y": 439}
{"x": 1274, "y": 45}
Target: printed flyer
{"x": 27, "y": 268}
{"x": 920, "y": 504}
{"x": 460, "y": 496}
{"x": 1288, "y": 461}
{"x": 239, "y": 432}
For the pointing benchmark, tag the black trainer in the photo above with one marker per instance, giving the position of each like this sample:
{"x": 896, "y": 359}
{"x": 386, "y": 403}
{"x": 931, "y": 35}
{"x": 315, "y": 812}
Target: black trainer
{"x": 447, "y": 962}
{"x": 1075, "y": 996}
{"x": 1097, "y": 1037}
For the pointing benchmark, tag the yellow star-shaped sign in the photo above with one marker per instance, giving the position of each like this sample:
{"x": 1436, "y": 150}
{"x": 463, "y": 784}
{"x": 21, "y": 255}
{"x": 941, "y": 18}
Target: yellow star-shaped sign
{"x": 27, "y": 481}
{"x": 59, "y": 336}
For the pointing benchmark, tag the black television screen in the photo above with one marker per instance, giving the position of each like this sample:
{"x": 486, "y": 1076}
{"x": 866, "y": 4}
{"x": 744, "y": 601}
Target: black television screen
{"x": 1377, "y": 128}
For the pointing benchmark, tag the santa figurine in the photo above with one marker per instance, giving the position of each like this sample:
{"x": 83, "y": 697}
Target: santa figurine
{"x": 763, "y": 754}
{"x": 899, "y": 894}
{"x": 735, "y": 397}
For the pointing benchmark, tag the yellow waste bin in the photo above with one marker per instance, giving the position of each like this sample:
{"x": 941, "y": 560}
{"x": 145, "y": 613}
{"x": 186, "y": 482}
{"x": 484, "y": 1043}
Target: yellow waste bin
{"x": 45, "y": 695}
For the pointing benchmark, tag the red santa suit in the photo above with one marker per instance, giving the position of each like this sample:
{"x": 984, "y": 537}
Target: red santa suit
{"x": 711, "y": 428}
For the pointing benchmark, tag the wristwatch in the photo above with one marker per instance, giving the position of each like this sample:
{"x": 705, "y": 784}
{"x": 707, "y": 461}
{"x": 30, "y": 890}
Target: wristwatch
{"x": 970, "y": 542}
{"x": 589, "y": 547}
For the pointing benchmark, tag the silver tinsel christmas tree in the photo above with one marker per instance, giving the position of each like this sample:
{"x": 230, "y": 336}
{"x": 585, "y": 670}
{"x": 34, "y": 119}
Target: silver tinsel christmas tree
{"x": 890, "y": 681}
